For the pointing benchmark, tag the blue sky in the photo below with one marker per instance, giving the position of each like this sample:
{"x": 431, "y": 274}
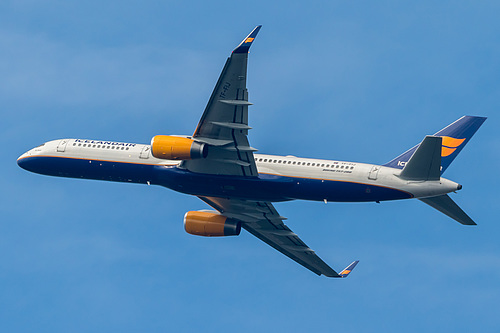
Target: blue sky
{"x": 358, "y": 81}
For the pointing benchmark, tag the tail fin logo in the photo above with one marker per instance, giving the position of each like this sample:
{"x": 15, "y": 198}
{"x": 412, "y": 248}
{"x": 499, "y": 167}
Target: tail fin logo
{"x": 450, "y": 145}
{"x": 249, "y": 40}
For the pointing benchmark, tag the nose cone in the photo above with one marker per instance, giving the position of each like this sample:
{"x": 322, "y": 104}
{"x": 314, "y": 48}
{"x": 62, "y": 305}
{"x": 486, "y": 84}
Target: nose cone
{"x": 24, "y": 161}
{"x": 39, "y": 159}
{"x": 28, "y": 160}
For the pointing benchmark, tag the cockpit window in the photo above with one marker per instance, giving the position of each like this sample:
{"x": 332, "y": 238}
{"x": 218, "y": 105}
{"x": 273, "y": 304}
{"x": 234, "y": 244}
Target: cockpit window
{"x": 43, "y": 144}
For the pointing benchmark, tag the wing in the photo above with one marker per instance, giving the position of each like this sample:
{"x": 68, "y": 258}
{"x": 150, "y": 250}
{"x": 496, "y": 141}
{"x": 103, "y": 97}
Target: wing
{"x": 224, "y": 123}
{"x": 263, "y": 221}
{"x": 224, "y": 128}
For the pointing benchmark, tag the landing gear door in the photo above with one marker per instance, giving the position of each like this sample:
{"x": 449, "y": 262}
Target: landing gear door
{"x": 145, "y": 152}
{"x": 374, "y": 172}
{"x": 61, "y": 147}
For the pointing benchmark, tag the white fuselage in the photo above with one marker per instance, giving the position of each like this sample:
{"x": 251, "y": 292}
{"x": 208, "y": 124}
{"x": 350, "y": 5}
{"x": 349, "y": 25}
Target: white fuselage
{"x": 96, "y": 153}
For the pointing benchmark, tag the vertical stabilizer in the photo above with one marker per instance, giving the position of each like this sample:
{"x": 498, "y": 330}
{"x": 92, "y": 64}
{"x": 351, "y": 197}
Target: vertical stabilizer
{"x": 455, "y": 137}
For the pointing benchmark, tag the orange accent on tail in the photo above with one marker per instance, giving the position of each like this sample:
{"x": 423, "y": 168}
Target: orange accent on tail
{"x": 452, "y": 142}
{"x": 445, "y": 151}
{"x": 450, "y": 145}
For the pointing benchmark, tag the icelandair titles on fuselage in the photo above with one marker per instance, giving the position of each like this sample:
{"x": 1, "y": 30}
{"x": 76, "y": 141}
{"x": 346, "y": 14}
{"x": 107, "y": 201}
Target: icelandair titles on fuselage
{"x": 106, "y": 143}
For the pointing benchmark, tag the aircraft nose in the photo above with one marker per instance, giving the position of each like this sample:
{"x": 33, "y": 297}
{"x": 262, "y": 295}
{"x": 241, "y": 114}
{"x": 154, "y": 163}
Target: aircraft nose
{"x": 22, "y": 161}
{"x": 27, "y": 159}
{"x": 30, "y": 160}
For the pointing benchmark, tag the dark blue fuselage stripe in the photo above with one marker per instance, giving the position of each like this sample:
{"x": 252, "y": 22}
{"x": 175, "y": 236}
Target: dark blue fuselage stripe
{"x": 266, "y": 187}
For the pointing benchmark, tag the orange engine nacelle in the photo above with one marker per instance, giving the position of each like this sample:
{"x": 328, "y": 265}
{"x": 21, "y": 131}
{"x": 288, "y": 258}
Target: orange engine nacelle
{"x": 177, "y": 148}
{"x": 210, "y": 224}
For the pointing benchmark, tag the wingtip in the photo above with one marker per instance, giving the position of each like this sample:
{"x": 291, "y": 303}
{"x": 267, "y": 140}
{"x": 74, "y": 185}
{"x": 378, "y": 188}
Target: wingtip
{"x": 244, "y": 46}
{"x": 346, "y": 271}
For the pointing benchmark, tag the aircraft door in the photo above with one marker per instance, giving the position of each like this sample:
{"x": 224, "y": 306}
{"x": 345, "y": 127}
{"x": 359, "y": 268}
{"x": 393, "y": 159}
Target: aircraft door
{"x": 145, "y": 152}
{"x": 61, "y": 147}
{"x": 374, "y": 172}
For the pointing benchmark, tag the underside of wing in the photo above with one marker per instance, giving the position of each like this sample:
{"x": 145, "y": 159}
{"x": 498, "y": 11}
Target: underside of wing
{"x": 263, "y": 221}
{"x": 224, "y": 123}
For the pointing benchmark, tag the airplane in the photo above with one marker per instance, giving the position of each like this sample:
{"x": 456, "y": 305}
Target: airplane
{"x": 217, "y": 164}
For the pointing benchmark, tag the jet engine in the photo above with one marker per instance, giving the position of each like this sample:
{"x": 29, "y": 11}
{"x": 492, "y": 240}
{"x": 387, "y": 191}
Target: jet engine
{"x": 210, "y": 224}
{"x": 177, "y": 148}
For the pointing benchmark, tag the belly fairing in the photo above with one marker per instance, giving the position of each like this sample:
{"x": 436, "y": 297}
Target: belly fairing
{"x": 184, "y": 181}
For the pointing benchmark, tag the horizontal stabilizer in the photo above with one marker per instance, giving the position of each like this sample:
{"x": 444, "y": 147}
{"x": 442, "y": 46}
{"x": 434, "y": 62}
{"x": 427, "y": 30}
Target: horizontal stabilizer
{"x": 447, "y": 206}
{"x": 425, "y": 163}
{"x": 345, "y": 272}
